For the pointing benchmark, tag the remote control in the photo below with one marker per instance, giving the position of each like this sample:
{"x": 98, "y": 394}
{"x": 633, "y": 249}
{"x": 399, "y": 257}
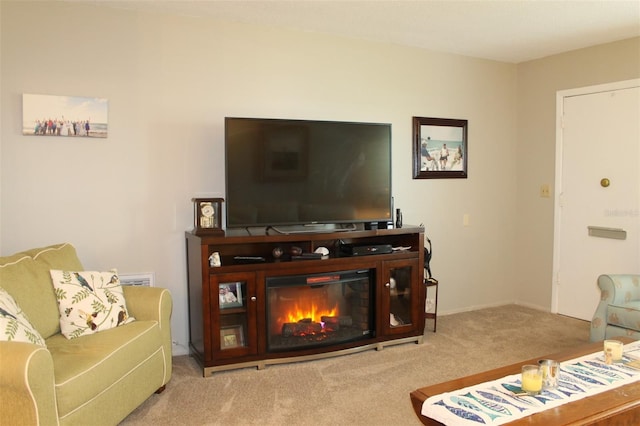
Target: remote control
{"x": 249, "y": 259}
{"x": 312, "y": 255}
{"x": 308, "y": 256}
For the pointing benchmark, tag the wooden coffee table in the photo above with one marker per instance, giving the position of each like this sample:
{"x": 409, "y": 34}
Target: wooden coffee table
{"x": 619, "y": 406}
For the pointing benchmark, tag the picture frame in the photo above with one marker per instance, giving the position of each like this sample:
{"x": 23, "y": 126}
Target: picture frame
{"x": 440, "y": 147}
{"x": 285, "y": 153}
{"x": 64, "y": 116}
{"x": 231, "y": 337}
{"x": 230, "y": 295}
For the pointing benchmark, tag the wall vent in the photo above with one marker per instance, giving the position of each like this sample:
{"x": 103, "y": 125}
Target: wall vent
{"x": 145, "y": 279}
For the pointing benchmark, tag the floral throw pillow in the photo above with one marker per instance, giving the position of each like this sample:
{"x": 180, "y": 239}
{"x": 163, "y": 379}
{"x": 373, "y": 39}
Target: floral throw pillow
{"x": 14, "y": 323}
{"x": 89, "y": 301}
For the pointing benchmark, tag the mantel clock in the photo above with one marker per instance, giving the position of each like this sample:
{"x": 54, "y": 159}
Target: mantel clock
{"x": 207, "y": 214}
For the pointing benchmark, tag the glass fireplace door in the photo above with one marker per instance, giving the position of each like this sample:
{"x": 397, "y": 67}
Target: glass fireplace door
{"x": 305, "y": 311}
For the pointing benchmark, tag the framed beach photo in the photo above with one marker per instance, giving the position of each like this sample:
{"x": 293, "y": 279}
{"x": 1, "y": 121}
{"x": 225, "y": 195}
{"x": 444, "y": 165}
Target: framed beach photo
{"x": 230, "y": 295}
{"x": 69, "y": 116}
{"x": 439, "y": 148}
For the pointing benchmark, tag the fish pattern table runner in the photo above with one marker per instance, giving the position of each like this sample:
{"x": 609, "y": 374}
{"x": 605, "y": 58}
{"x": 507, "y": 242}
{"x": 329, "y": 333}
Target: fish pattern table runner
{"x": 495, "y": 403}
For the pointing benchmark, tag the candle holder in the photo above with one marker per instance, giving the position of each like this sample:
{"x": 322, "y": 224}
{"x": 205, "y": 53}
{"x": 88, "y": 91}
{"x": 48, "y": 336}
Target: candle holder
{"x": 613, "y": 351}
{"x": 550, "y": 373}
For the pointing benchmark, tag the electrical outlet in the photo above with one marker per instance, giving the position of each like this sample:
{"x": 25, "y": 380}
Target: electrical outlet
{"x": 465, "y": 219}
{"x": 545, "y": 191}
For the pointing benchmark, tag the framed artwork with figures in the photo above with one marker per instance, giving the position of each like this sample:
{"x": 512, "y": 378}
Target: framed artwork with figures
{"x": 230, "y": 295}
{"x": 440, "y": 148}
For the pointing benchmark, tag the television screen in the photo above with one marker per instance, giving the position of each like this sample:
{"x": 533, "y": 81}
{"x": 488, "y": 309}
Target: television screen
{"x": 301, "y": 172}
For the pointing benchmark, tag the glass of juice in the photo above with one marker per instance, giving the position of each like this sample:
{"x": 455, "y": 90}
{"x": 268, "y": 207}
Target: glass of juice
{"x": 531, "y": 379}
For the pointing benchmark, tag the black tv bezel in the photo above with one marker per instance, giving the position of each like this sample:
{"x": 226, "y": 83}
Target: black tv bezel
{"x": 368, "y": 222}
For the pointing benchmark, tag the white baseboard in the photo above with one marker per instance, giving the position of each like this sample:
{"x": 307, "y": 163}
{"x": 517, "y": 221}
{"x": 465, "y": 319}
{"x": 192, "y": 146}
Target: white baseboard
{"x": 491, "y": 305}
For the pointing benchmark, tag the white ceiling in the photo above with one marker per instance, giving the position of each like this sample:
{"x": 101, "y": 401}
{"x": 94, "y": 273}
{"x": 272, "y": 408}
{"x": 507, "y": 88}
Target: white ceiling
{"x": 503, "y": 30}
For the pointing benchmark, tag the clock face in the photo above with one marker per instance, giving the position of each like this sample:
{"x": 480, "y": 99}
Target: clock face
{"x": 207, "y": 209}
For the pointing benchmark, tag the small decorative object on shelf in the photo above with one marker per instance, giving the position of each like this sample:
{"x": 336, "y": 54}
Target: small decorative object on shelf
{"x": 207, "y": 216}
{"x": 214, "y": 260}
{"x": 277, "y": 252}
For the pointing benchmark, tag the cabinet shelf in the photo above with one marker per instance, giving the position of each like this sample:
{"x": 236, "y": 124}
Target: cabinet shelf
{"x": 233, "y": 311}
{"x": 268, "y": 265}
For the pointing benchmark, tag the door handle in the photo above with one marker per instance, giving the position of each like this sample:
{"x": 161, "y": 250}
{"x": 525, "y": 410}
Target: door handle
{"x": 602, "y": 232}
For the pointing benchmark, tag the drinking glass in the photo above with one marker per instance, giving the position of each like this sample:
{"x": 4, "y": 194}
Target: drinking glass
{"x": 550, "y": 373}
{"x": 531, "y": 379}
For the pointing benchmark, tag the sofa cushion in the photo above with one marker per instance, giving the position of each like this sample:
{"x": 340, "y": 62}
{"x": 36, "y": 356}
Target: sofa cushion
{"x": 89, "y": 301}
{"x": 14, "y": 324}
{"x": 26, "y": 277}
{"x": 625, "y": 315}
{"x": 85, "y": 367}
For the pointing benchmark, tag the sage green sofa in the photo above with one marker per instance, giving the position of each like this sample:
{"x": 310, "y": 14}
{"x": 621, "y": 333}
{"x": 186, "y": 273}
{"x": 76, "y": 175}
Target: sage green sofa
{"x": 96, "y": 379}
{"x": 618, "y": 313}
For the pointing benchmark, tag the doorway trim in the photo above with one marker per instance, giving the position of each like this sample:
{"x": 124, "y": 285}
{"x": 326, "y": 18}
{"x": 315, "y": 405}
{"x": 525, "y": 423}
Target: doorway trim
{"x": 560, "y": 97}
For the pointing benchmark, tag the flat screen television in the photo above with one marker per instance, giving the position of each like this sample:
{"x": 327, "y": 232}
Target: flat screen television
{"x": 303, "y": 172}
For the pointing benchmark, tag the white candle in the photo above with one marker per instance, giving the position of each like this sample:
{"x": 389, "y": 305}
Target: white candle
{"x": 613, "y": 350}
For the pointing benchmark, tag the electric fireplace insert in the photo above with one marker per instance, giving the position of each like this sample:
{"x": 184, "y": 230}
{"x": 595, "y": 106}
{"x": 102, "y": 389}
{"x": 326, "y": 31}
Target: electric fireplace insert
{"x": 305, "y": 311}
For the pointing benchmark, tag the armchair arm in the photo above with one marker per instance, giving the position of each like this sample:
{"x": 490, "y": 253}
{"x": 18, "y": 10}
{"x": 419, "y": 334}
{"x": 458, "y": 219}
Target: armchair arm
{"x": 621, "y": 288}
{"x": 27, "y": 387}
{"x": 615, "y": 289}
{"x": 156, "y": 304}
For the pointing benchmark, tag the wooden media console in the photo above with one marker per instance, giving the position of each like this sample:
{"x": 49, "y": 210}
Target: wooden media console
{"x": 235, "y": 319}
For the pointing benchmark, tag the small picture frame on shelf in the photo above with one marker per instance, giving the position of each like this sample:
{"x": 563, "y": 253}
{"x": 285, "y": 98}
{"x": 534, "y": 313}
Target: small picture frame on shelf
{"x": 231, "y": 337}
{"x": 230, "y": 295}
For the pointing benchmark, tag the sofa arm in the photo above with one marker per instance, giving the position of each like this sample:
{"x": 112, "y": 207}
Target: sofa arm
{"x": 156, "y": 304}
{"x": 27, "y": 385}
{"x": 615, "y": 289}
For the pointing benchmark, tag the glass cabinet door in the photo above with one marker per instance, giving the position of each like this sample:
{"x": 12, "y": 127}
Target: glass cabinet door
{"x": 233, "y": 311}
{"x": 400, "y": 296}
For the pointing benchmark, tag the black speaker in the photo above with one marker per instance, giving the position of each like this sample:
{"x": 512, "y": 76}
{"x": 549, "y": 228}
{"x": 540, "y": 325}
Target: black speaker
{"x": 385, "y": 225}
{"x": 370, "y": 226}
{"x": 398, "y": 218}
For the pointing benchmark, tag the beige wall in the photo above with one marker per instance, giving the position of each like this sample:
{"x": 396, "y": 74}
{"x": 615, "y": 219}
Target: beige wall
{"x": 538, "y": 83}
{"x": 124, "y": 201}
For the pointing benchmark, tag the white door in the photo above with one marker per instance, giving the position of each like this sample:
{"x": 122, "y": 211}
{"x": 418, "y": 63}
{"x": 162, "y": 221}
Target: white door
{"x": 598, "y": 144}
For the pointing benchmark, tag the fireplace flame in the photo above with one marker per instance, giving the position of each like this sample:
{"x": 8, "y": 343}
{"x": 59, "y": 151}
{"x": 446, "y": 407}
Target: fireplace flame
{"x": 312, "y": 312}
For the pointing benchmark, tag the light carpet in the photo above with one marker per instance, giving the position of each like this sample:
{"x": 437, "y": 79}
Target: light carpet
{"x": 366, "y": 388}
